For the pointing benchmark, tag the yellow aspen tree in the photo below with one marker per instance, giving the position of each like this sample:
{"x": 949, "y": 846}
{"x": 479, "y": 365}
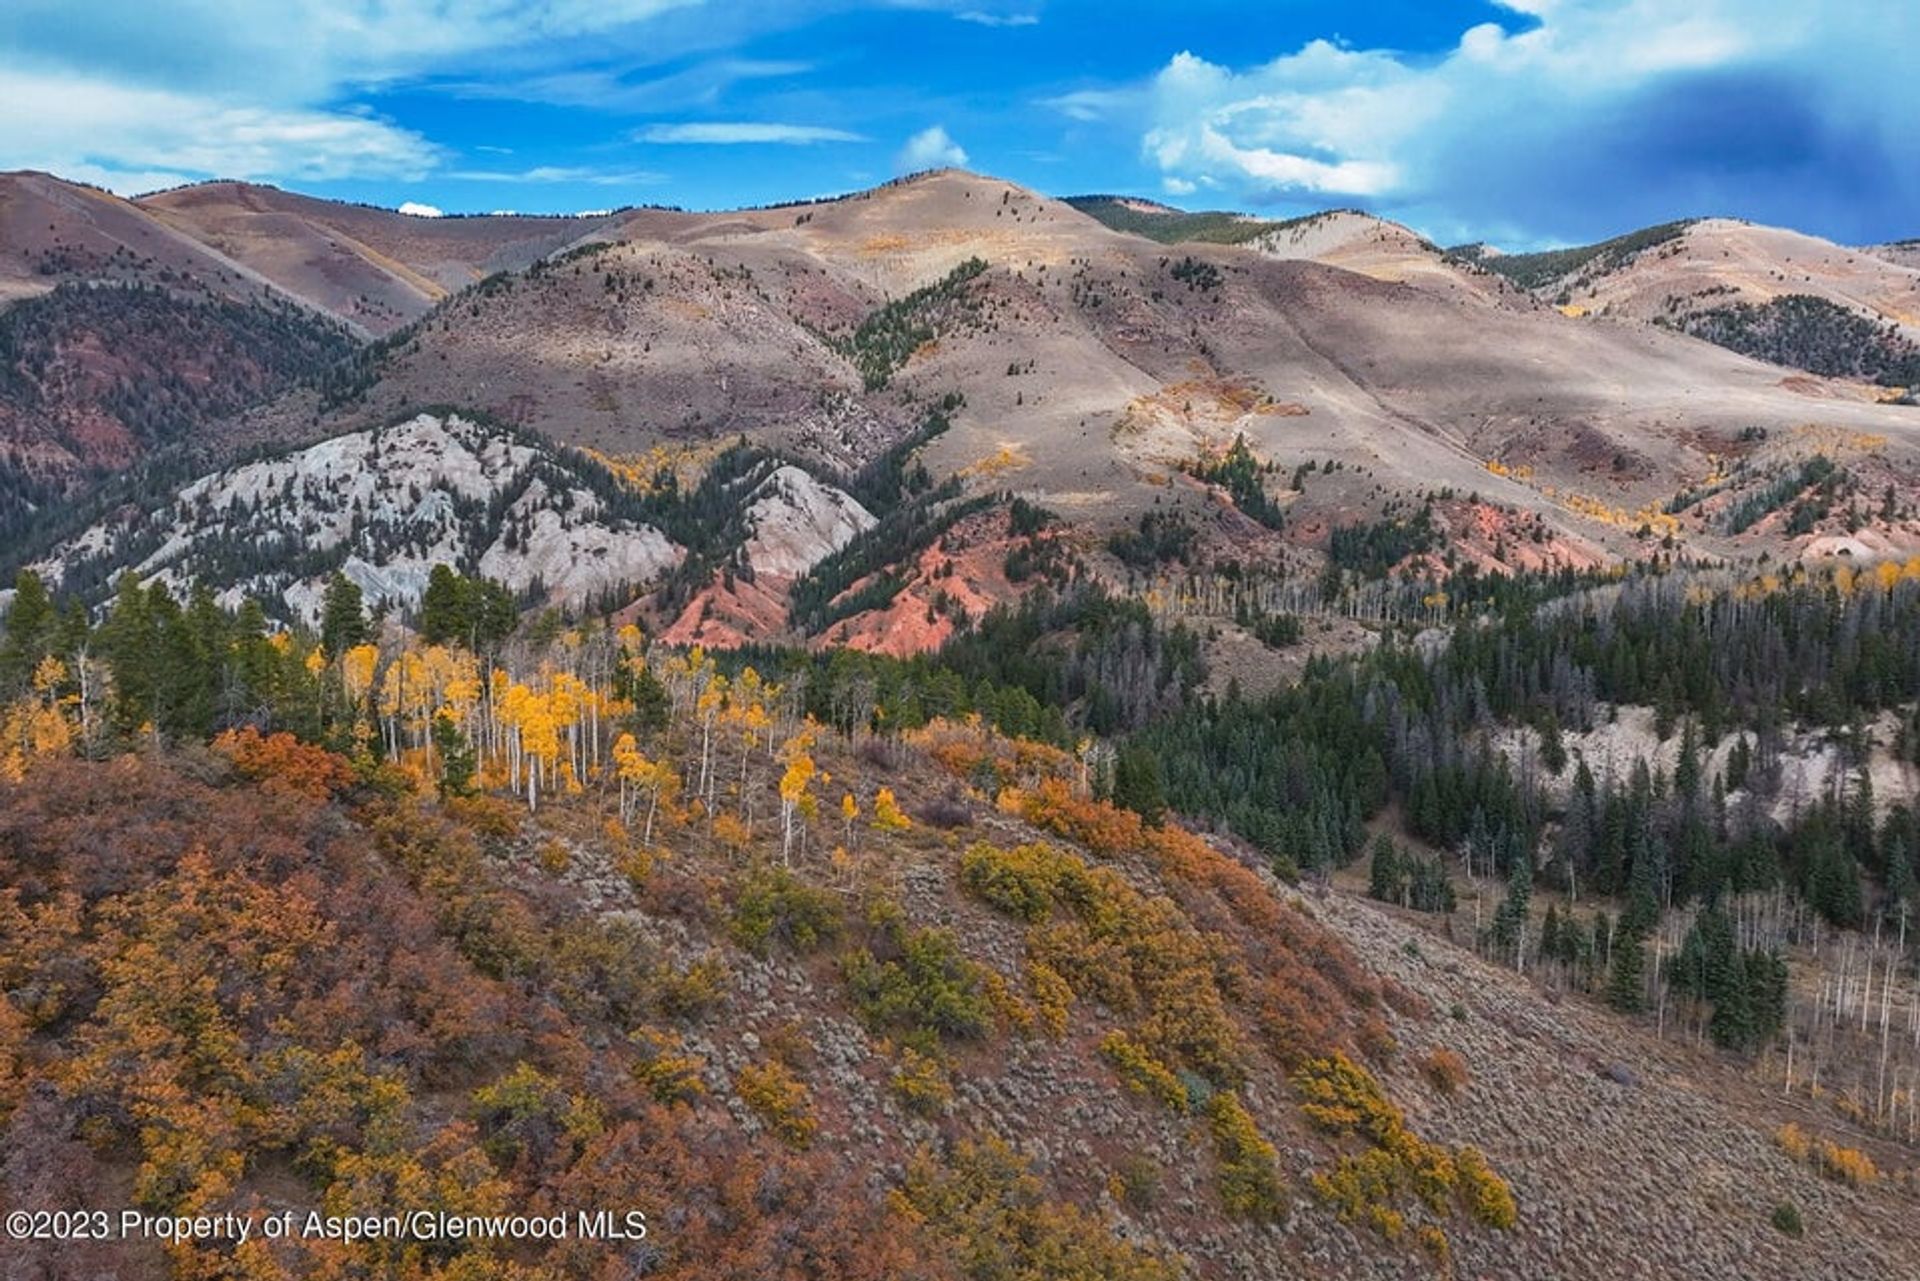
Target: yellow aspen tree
{"x": 708, "y": 707}
{"x": 564, "y": 704}
{"x": 633, "y": 770}
{"x": 36, "y": 725}
{"x": 356, "y": 670}
{"x": 357, "y": 667}
{"x": 793, "y": 788}
{"x": 887, "y": 814}
{"x": 637, "y": 775}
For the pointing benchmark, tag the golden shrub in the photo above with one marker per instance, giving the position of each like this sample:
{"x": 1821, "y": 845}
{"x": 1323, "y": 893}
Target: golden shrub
{"x": 780, "y": 1099}
{"x": 1142, "y": 1072}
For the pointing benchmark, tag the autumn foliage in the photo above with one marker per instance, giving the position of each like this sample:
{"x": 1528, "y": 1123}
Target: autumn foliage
{"x": 490, "y": 934}
{"x": 216, "y": 981}
{"x": 281, "y": 760}
{"x": 1841, "y": 1164}
{"x": 1396, "y": 1171}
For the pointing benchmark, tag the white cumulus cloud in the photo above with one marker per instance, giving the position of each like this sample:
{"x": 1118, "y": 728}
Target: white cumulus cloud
{"x": 1589, "y": 116}
{"x": 931, "y": 148}
{"x": 419, "y": 210}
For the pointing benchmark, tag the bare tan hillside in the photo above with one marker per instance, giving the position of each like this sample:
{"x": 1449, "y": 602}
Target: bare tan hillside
{"x": 51, "y": 230}
{"x": 1094, "y": 364}
{"x": 1379, "y": 248}
{"x": 1721, "y": 260}
{"x": 1905, "y": 253}
{"x": 375, "y": 268}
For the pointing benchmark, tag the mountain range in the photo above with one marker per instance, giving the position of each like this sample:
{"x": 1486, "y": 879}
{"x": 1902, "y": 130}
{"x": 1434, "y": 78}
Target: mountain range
{"x": 1098, "y": 357}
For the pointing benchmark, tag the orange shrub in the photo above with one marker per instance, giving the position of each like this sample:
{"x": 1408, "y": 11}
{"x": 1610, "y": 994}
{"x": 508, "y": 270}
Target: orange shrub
{"x": 1445, "y": 1070}
{"x": 1847, "y": 1165}
{"x": 284, "y": 761}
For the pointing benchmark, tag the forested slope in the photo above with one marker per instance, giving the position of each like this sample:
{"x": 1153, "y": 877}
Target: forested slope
{"x": 841, "y": 965}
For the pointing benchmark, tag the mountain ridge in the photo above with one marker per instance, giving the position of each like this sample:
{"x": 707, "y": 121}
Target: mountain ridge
{"x": 1368, "y": 374}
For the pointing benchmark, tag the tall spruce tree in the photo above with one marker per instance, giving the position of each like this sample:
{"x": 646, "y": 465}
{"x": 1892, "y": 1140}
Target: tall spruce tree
{"x": 1386, "y": 878}
{"x": 1627, "y": 976}
{"x": 32, "y": 630}
{"x": 343, "y": 617}
{"x": 1138, "y": 785}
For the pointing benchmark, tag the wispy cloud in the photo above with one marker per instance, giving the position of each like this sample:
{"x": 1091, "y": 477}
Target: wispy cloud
{"x": 234, "y": 88}
{"x": 611, "y": 89}
{"x": 931, "y": 148}
{"x": 733, "y": 133}
{"x": 982, "y": 18}
{"x": 126, "y": 136}
{"x": 1091, "y": 104}
{"x": 562, "y": 173}
{"x": 308, "y": 50}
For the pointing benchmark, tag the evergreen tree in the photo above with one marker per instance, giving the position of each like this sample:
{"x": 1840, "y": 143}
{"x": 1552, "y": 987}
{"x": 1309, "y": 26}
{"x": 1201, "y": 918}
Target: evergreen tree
{"x": 255, "y": 661}
{"x": 343, "y": 617}
{"x": 1138, "y": 785}
{"x": 1897, "y": 855}
{"x": 457, "y": 758}
{"x": 1508, "y": 933}
{"x": 443, "y": 612}
{"x": 1767, "y": 994}
{"x": 1739, "y": 761}
{"x": 1386, "y": 878}
{"x": 1553, "y": 751}
{"x": 1627, "y": 977}
{"x": 476, "y": 612}
{"x": 1643, "y": 904}
{"x": 651, "y": 703}
{"x": 1833, "y": 878}
{"x": 128, "y": 645}
{"x": 1687, "y": 973}
{"x": 1858, "y": 831}
{"x": 1686, "y": 771}
{"x": 1732, "y": 1026}
{"x": 32, "y": 626}
{"x": 198, "y": 664}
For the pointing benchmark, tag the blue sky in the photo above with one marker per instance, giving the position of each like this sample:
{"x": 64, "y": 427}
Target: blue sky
{"x": 1526, "y": 123}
